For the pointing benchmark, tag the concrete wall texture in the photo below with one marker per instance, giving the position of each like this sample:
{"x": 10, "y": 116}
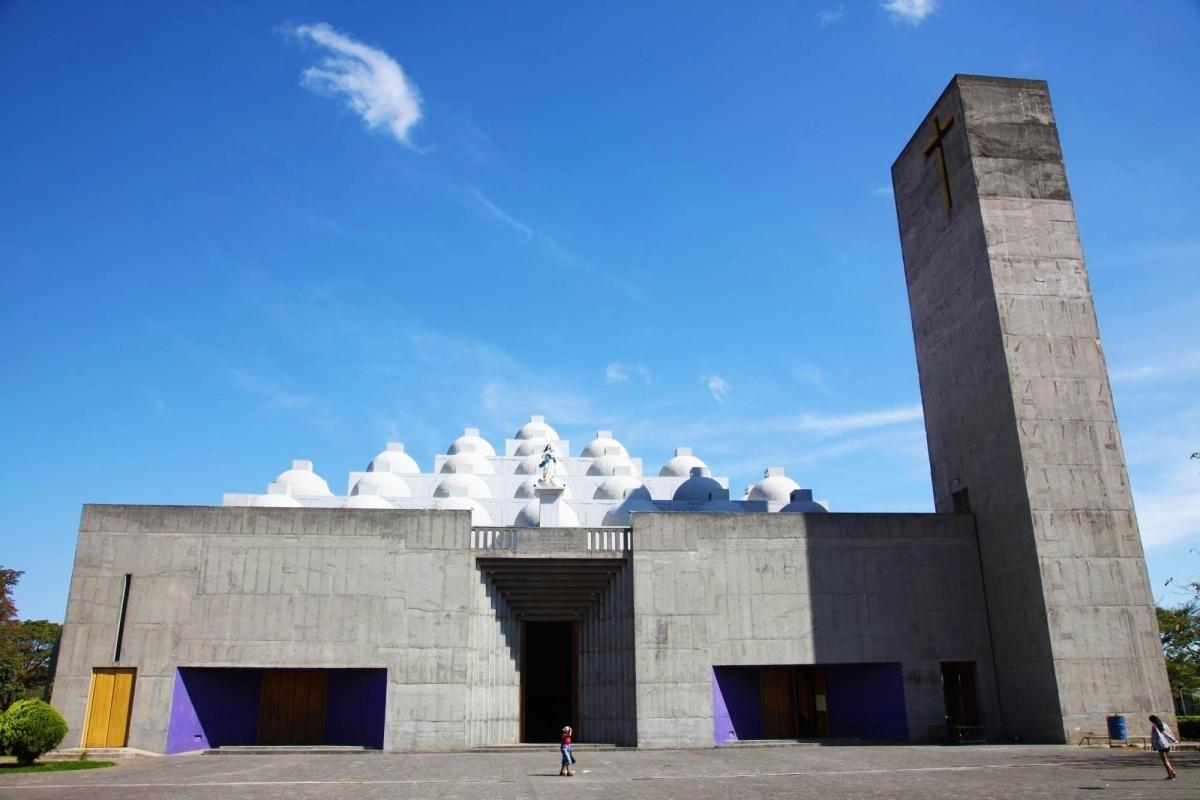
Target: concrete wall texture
{"x": 1019, "y": 411}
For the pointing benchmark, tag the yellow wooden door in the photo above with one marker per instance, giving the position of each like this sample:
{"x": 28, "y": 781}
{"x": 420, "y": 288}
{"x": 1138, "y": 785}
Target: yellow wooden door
{"x": 109, "y": 703}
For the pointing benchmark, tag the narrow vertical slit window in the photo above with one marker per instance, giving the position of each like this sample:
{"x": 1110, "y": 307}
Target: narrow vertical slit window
{"x": 121, "y": 618}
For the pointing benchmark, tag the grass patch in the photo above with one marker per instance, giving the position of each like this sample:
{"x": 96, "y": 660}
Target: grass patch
{"x": 13, "y": 768}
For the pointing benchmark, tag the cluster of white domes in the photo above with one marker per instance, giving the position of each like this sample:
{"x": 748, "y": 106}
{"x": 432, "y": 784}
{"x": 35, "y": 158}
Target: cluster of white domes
{"x": 604, "y": 484}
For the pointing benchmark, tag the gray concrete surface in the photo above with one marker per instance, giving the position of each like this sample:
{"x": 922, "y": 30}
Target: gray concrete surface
{"x": 866, "y": 773}
{"x": 1019, "y": 412}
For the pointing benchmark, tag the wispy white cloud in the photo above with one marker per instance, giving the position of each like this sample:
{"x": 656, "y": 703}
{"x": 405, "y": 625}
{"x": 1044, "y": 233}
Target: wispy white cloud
{"x": 372, "y": 83}
{"x": 913, "y": 12}
{"x": 836, "y": 424}
{"x": 1186, "y": 366}
{"x": 828, "y": 16}
{"x": 717, "y": 385}
{"x": 1170, "y": 511}
{"x": 273, "y": 396}
{"x": 882, "y": 192}
{"x": 616, "y": 372}
{"x": 493, "y": 211}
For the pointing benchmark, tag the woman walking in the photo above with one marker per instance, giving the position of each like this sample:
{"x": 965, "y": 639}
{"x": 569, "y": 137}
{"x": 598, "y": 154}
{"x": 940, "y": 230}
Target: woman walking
{"x": 567, "y": 758}
{"x": 1161, "y": 740}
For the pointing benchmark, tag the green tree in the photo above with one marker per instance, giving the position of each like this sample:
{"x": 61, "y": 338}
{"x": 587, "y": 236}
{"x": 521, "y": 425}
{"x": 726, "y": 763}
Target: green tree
{"x": 10, "y": 653}
{"x": 1179, "y": 629}
{"x": 34, "y": 641}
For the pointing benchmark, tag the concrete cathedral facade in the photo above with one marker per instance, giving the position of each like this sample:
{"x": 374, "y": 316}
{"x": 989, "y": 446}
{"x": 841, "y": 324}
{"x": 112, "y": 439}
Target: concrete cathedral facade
{"x": 498, "y": 598}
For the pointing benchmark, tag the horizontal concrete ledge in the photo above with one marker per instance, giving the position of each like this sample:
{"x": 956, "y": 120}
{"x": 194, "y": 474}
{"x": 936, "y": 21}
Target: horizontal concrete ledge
{"x": 96, "y": 754}
{"x": 547, "y": 747}
{"x": 316, "y": 749}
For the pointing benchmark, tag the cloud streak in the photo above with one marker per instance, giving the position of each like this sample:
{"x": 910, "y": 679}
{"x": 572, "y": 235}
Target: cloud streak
{"x": 718, "y": 387}
{"x": 913, "y": 12}
{"x": 371, "y": 82}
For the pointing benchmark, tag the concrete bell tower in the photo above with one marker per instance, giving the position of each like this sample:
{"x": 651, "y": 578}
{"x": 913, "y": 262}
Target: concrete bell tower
{"x": 1019, "y": 413}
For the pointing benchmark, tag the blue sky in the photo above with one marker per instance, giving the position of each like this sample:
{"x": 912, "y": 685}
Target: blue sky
{"x": 669, "y": 219}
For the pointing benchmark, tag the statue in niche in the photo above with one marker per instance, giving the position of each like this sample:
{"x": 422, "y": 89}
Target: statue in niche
{"x": 548, "y": 465}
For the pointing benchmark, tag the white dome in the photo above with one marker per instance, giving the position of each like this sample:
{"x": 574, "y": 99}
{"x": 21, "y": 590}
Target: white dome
{"x": 700, "y": 488}
{"x": 802, "y": 503}
{"x": 474, "y": 463}
{"x": 366, "y": 501}
{"x": 619, "y": 515}
{"x": 537, "y": 428}
{"x": 526, "y": 489}
{"x": 681, "y": 465}
{"x": 530, "y": 516}
{"x": 385, "y": 484}
{"x": 529, "y": 465}
{"x": 472, "y": 442}
{"x": 395, "y": 460}
{"x": 611, "y": 465}
{"x": 775, "y": 487}
{"x": 301, "y": 481}
{"x": 275, "y": 501}
{"x": 602, "y": 445}
{"x": 534, "y": 446}
{"x": 479, "y": 514}
{"x": 619, "y": 487}
{"x": 462, "y": 484}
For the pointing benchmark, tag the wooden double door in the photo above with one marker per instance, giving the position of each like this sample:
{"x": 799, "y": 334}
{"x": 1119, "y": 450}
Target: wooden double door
{"x": 292, "y": 707}
{"x": 793, "y": 702}
{"x": 110, "y": 701}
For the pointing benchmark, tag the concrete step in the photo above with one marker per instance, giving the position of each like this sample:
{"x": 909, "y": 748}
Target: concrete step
{"x": 96, "y": 754}
{"x": 823, "y": 742}
{"x": 264, "y": 750}
{"x": 546, "y": 747}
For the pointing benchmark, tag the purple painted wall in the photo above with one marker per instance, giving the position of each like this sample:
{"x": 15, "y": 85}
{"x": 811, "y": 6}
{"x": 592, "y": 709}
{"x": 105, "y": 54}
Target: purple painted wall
{"x": 737, "y": 704}
{"x": 866, "y": 701}
{"x": 213, "y": 707}
{"x": 355, "y": 703}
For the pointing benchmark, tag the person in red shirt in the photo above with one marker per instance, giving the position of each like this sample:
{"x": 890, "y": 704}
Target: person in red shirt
{"x": 567, "y": 758}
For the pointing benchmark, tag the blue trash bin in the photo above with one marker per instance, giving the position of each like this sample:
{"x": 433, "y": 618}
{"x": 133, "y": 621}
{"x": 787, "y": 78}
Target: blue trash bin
{"x": 1116, "y": 728}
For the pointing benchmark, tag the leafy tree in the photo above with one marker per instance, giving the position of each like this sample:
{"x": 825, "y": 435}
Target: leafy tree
{"x": 34, "y": 641}
{"x": 10, "y": 655}
{"x": 1179, "y": 629}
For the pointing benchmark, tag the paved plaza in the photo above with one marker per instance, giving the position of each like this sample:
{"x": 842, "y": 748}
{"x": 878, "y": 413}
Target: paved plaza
{"x": 928, "y": 773}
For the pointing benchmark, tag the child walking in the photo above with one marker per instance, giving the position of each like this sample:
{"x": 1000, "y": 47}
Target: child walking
{"x": 567, "y": 758}
{"x": 1161, "y": 740}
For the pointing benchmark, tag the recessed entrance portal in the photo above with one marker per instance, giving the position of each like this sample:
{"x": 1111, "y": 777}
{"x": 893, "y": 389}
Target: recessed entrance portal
{"x": 549, "y": 680}
{"x": 789, "y": 701}
{"x": 221, "y": 707}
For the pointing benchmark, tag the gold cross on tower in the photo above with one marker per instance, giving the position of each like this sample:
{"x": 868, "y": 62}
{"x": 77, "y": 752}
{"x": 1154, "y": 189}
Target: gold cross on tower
{"x": 939, "y": 134}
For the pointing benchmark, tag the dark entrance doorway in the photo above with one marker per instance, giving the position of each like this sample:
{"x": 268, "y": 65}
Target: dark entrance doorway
{"x": 958, "y": 692}
{"x": 549, "y": 686}
{"x": 793, "y": 702}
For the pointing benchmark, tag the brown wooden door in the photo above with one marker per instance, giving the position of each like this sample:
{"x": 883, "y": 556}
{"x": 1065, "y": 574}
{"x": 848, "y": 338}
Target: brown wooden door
{"x": 292, "y": 709}
{"x": 779, "y": 703}
{"x": 110, "y": 700}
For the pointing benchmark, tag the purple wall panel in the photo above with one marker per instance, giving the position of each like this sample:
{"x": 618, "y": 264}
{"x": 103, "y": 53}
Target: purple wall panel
{"x": 212, "y": 707}
{"x": 354, "y": 709}
{"x": 737, "y": 704}
{"x": 184, "y": 732}
{"x": 866, "y": 701}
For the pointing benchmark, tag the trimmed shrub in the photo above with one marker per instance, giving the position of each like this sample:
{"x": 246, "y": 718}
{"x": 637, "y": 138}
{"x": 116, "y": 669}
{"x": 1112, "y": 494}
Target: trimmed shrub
{"x": 1189, "y": 728}
{"x": 30, "y": 728}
